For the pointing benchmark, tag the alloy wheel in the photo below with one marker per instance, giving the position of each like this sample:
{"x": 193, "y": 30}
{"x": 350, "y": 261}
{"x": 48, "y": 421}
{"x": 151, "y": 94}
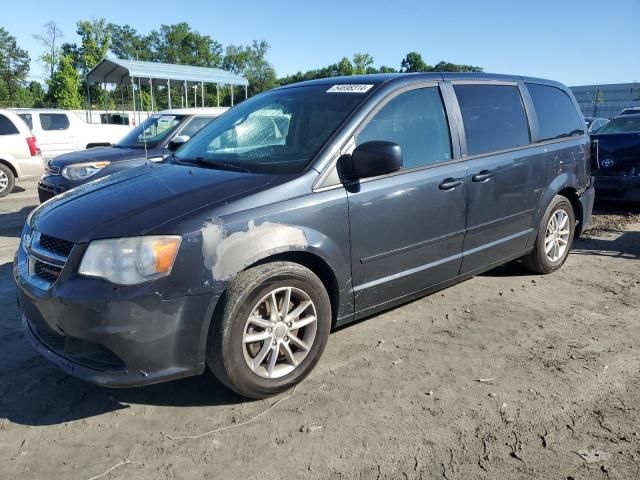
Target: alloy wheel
{"x": 556, "y": 240}
{"x": 279, "y": 333}
{"x": 4, "y": 181}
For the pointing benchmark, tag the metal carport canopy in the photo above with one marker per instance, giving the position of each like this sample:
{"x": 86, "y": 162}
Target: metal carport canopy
{"x": 118, "y": 71}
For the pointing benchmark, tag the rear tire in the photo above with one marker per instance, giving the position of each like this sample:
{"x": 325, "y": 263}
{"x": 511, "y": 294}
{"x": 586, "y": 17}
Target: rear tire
{"x": 555, "y": 237}
{"x": 7, "y": 180}
{"x": 258, "y": 350}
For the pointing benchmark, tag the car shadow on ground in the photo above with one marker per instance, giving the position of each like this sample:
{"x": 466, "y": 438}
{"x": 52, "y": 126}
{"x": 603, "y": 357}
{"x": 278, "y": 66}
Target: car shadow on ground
{"x": 11, "y": 223}
{"x": 35, "y": 392}
{"x": 619, "y": 244}
{"x": 39, "y": 394}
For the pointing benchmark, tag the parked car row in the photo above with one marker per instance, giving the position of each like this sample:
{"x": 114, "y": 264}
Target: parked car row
{"x": 76, "y": 152}
{"x": 149, "y": 141}
{"x": 303, "y": 208}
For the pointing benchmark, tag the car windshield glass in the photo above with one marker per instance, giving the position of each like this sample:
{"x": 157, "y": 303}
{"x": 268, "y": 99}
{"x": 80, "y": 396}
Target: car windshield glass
{"x": 153, "y": 130}
{"x": 622, "y": 125}
{"x": 277, "y": 132}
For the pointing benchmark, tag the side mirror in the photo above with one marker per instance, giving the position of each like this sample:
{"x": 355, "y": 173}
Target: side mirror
{"x": 371, "y": 159}
{"x": 177, "y": 142}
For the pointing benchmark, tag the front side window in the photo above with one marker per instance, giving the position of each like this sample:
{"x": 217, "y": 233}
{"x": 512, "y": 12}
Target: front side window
{"x": 416, "y": 121}
{"x": 557, "y": 115}
{"x": 54, "y": 121}
{"x": 7, "y": 127}
{"x": 494, "y": 117}
{"x": 151, "y": 132}
{"x": 279, "y": 131}
{"x": 195, "y": 125}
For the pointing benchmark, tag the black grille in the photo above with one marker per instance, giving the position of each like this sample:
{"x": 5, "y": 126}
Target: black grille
{"x": 46, "y": 272}
{"x": 56, "y": 245}
{"x": 83, "y": 352}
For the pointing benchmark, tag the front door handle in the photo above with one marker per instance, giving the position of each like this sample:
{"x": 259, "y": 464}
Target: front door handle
{"x": 482, "y": 176}
{"x": 451, "y": 183}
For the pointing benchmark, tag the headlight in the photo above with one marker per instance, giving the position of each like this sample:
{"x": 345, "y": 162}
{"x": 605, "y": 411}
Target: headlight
{"x": 80, "y": 171}
{"x": 129, "y": 261}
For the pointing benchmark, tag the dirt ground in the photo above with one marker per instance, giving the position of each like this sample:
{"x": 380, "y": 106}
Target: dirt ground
{"x": 505, "y": 376}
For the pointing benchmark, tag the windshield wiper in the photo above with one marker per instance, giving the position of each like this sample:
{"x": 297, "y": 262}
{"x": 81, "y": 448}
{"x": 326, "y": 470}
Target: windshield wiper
{"x": 203, "y": 162}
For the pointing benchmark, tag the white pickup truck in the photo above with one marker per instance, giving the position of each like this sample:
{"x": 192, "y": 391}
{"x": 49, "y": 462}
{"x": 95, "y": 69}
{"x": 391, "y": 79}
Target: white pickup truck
{"x": 61, "y": 131}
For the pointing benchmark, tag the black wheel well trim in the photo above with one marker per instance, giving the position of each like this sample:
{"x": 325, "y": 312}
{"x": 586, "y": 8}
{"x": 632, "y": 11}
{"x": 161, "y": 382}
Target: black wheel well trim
{"x": 571, "y": 194}
{"x": 11, "y": 167}
{"x": 318, "y": 266}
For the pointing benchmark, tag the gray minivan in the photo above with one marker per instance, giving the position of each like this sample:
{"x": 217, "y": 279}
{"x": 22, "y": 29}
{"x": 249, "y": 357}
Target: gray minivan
{"x": 301, "y": 209}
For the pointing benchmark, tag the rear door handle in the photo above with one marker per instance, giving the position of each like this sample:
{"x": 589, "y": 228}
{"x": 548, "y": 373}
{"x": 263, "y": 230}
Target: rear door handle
{"x": 482, "y": 176}
{"x": 451, "y": 183}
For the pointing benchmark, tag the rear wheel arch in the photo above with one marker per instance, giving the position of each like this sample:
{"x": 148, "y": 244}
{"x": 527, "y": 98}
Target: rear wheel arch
{"x": 571, "y": 194}
{"x": 10, "y": 166}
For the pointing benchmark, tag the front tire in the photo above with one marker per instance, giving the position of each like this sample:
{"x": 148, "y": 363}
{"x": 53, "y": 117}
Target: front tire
{"x": 555, "y": 237}
{"x": 7, "y": 180}
{"x": 269, "y": 330}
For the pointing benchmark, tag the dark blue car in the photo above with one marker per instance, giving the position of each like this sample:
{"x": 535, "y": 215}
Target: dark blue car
{"x": 617, "y": 159}
{"x": 302, "y": 209}
{"x": 148, "y": 142}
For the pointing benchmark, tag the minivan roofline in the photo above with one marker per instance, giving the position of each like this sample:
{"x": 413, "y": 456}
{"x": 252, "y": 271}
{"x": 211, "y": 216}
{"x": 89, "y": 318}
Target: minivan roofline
{"x": 383, "y": 78}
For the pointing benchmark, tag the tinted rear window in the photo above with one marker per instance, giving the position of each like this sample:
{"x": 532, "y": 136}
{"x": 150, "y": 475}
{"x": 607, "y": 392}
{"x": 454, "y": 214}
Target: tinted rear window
{"x": 6, "y": 126}
{"x": 54, "y": 121}
{"x": 494, "y": 117}
{"x": 27, "y": 119}
{"x": 557, "y": 115}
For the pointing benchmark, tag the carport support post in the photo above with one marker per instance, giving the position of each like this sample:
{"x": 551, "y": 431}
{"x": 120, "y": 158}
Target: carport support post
{"x": 246, "y": 92}
{"x": 217, "y": 95}
{"x": 140, "y": 100}
{"x": 89, "y": 101}
{"x": 122, "y": 102}
{"x": 202, "y": 92}
{"x": 106, "y": 107}
{"x": 231, "y": 87}
{"x": 133, "y": 97}
{"x": 169, "y": 92}
{"x": 186, "y": 95}
{"x": 151, "y": 88}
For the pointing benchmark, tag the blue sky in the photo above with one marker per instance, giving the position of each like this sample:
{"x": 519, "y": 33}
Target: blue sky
{"x": 575, "y": 42}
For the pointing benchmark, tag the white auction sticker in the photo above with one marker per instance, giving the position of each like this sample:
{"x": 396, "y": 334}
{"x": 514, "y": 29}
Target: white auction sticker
{"x": 350, "y": 88}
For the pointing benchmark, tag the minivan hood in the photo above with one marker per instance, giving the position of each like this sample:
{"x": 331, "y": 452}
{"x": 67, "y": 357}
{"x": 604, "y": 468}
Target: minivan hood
{"x": 137, "y": 200}
{"x": 102, "y": 154}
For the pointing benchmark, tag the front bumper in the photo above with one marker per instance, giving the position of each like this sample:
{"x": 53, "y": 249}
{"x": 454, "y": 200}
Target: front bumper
{"x": 113, "y": 336}
{"x": 621, "y": 188}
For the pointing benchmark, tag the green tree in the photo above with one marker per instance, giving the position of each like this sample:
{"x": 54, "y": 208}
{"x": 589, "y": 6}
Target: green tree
{"x": 343, "y": 68}
{"x": 179, "y": 44}
{"x": 95, "y": 38}
{"x": 362, "y": 62}
{"x": 50, "y": 39}
{"x": 385, "y": 69}
{"x": 453, "y": 67}
{"x": 128, "y": 44}
{"x": 413, "y": 63}
{"x": 64, "y": 85}
{"x": 250, "y": 61}
{"x": 14, "y": 67}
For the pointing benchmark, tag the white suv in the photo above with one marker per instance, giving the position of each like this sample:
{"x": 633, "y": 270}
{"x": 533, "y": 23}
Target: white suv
{"x": 62, "y": 131}
{"x": 20, "y": 158}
